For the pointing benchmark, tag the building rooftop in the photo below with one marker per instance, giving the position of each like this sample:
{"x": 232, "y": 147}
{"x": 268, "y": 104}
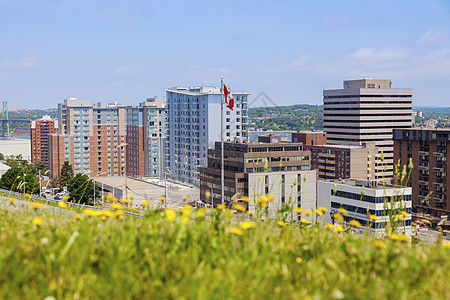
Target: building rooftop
{"x": 371, "y": 184}
{"x": 201, "y": 91}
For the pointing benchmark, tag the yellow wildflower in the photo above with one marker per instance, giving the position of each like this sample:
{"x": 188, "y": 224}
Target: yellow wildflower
{"x": 120, "y": 217}
{"x": 116, "y": 206}
{"x": 281, "y": 223}
{"x": 145, "y": 203}
{"x": 323, "y": 209}
{"x": 36, "y": 206}
{"x": 342, "y": 211}
{"x": 239, "y": 207}
{"x": 28, "y": 196}
{"x": 398, "y": 237}
{"x": 446, "y": 244}
{"x": 373, "y": 217}
{"x": 339, "y": 228}
{"x": 271, "y": 197}
{"x": 103, "y": 218}
{"x": 65, "y": 197}
{"x": 304, "y": 221}
{"x": 379, "y": 244}
{"x": 199, "y": 214}
{"x": 119, "y": 213}
{"x": 263, "y": 204}
{"x": 12, "y": 201}
{"x": 114, "y": 199}
{"x": 184, "y": 220}
{"x": 163, "y": 199}
{"x": 355, "y": 223}
{"x": 338, "y": 217}
{"x": 329, "y": 226}
{"x": 78, "y": 217}
{"x": 220, "y": 206}
{"x": 299, "y": 260}
{"x": 400, "y": 217}
{"x": 245, "y": 199}
{"x": 307, "y": 212}
{"x": 236, "y": 231}
{"x": 319, "y": 212}
{"x": 37, "y": 221}
{"x": 263, "y": 199}
{"x": 131, "y": 196}
{"x": 247, "y": 225}
{"x": 298, "y": 210}
{"x": 185, "y": 211}
{"x": 126, "y": 201}
{"x": 250, "y": 212}
{"x": 133, "y": 208}
{"x": 228, "y": 213}
{"x": 171, "y": 214}
{"x": 185, "y": 198}
{"x": 404, "y": 213}
{"x": 92, "y": 212}
{"x": 109, "y": 213}
{"x": 62, "y": 204}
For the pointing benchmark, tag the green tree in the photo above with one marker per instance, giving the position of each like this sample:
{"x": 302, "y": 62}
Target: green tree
{"x": 13, "y": 180}
{"x": 81, "y": 189}
{"x": 39, "y": 166}
{"x": 2, "y": 157}
{"x": 66, "y": 174}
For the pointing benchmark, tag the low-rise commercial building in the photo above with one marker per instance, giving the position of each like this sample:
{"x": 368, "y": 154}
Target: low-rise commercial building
{"x": 373, "y": 200}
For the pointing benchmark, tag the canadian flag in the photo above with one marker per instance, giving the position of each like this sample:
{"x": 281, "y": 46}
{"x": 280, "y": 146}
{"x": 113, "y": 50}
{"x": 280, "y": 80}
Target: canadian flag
{"x": 228, "y": 97}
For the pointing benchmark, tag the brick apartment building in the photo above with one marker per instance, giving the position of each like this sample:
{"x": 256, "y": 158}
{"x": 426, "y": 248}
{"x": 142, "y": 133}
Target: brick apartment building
{"x": 311, "y": 138}
{"x": 344, "y": 161}
{"x": 244, "y": 173}
{"x": 40, "y": 131}
{"x": 429, "y": 150}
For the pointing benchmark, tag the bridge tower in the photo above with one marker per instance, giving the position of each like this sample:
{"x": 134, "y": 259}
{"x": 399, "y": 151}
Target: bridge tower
{"x": 5, "y": 119}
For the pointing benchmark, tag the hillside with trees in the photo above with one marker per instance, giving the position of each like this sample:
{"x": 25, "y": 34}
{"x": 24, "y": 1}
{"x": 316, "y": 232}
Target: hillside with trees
{"x": 280, "y": 118}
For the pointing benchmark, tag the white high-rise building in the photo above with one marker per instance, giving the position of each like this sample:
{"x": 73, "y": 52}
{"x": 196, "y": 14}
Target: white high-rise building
{"x": 194, "y": 126}
{"x": 367, "y": 110}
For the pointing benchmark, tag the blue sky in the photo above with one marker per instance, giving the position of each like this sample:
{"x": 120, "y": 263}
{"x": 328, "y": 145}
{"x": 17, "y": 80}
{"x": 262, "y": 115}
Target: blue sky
{"x": 126, "y": 51}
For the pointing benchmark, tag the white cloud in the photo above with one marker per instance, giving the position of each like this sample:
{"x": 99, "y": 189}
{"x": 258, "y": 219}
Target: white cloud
{"x": 122, "y": 71}
{"x": 378, "y": 55}
{"x": 27, "y": 62}
{"x": 430, "y": 37}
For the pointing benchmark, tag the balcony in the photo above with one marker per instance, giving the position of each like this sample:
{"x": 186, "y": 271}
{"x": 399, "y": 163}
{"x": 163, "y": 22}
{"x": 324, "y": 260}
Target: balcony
{"x": 439, "y": 200}
{"x": 423, "y": 168}
{"x": 437, "y": 184}
{"x": 437, "y": 154}
{"x": 424, "y": 153}
{"x": 438, "y": 169}
{"x": 421, "y": 182}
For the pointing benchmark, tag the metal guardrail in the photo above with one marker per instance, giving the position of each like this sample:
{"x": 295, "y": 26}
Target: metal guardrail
{"x": 70, "y": 204}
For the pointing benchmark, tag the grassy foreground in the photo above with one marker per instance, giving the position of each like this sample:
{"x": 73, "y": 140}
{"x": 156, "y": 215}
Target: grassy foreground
{"x": 158, "y": 257}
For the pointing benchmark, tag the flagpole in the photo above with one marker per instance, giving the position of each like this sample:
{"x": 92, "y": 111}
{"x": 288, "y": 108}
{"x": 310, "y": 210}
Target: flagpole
{"x": 221, "y": 143}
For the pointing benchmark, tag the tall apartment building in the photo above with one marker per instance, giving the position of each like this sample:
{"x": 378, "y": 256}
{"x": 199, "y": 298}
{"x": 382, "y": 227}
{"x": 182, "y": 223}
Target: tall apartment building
{"x": 91, "y": 136}
{"x": 429, "y": 150}
{"x": 194, "y": 125}
{"x": 367, "y": 110}
{"x": 146, "y": 138}
{"x": 245, "y": 174}
{"x": 344, "y": 161}
{"x": 310, "y": 137}
{"x": 40, "y": 131}
{"x": 349, "y": 195}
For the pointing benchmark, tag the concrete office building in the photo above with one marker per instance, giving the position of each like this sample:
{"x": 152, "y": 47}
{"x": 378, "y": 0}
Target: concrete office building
{"x": 344, "y": 161}
{"x": 40, "y": 131}
{"x": 429, "y": 151}
{"x": 360, "y": 205}
{"x": 194, "y": 126}
{"x": 146, "y": 138}
{"x": 245, "y": 174}
{"x": 367, "y": 110}
{"x": 89, "y": 137}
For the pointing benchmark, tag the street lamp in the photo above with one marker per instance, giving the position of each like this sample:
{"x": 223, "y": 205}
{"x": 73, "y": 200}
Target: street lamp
{"x": 93, "y": 179}
{"x": 123, "y": 145}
